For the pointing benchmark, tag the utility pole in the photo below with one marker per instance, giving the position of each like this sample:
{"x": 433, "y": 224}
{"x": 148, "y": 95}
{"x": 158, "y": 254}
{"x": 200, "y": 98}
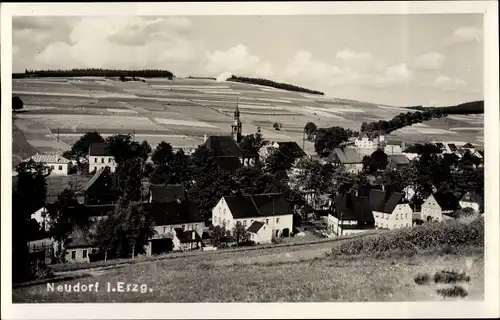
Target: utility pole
{"x": 57, "y": 134}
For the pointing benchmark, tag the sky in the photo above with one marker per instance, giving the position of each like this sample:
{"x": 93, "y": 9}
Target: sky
{"x": 425, "y": 59}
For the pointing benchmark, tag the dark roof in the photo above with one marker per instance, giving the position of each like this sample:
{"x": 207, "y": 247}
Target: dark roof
{"x": 345, "y": 156}
{"x": 412, "y": 149}
{"x": 80, "y": 243}
{"x": 99, "y": 149}
{"x": 394, "y": 142}
{"x": 351, "y": 207}
{"x": 481, "y": 152}
{"x": 439, "y": 145}
{"x": 471, "y": 197}
{"x": 247, "y": 206}
{"x": 223, "y": 146}
{"x": 168, "y": 213}
{"x": 94, "y": 178}
{"x": 167, "y": 193}
{"x": 399, "y": 159}
{"x": 446, "y": 200}
{"x": 468, "y": 145}
{"x": 384, "y": 201}
{"x": 452, "y": 146}
{"x": 255, "y": 226}
{"x": 228, "y": 163}
{"x": 294, "y": 148}
{"x": 186, "y": 236}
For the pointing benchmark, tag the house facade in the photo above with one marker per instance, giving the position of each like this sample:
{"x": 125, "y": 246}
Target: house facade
{"x": 393, "y": 147}
{"x": 349, "y": 158}
{"x": 247, "y": 209}
{"x": 471, "y": 200}
{"x": 367, "y": 142}
{"x": 439, "y": 206}
{"x": 351, "y": 214}
{"x": 58, "y": 165}
{"x": 99, "y": 190}
{"x": 227, "y": 147}
{"x": 100, "y": 157}
{"x": 390, "y": 210}
{"x": 397, "y": 161}
{"x": 260, "y": 233}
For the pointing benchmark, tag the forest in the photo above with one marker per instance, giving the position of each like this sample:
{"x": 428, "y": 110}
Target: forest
{"x": 94, "y": 72}
{"x": 474, "y": 107}
{"x": 273, "y": 84}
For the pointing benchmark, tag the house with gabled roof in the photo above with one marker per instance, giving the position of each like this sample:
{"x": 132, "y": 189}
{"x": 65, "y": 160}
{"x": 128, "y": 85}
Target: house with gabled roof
{"x": 397, "y": 161}
{"x": 227, "y": 147}
{"x": 439, "y": 206}
{"x": 412, "y": 152}
{"x": 349, "y": 158}
{"x": 351, "y": 214}
{"x": 101, "y": 157}
{"x": 369, "y": 141}
{"x": 390, "y": 209}
{"x": 272, "y": 210}
{"x": 291, "y": 146}
{"x": 393, "y": 146}
{"x": 471, "y": 200}
{"x": 99, "y": 189}
{"x": 260, "y": 233}
{"x": 58, "y": 164}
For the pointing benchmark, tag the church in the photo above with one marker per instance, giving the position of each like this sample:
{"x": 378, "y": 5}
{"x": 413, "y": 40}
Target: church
{"x": 228, "y": 153}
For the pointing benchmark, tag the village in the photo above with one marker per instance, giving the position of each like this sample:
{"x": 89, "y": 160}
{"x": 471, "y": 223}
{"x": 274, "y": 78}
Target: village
{"x": 245, "y": 191}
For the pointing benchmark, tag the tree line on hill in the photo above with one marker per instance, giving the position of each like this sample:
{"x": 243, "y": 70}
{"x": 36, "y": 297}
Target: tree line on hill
{"x": 273, "y": 84}
{"x": 95, "y": 72}
{"x": 474, "y": 107}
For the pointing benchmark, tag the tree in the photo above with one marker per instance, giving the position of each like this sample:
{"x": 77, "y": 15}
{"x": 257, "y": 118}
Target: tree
{"x": 377, "y": 161}
{"x": 28, "y": 196}
{"x": 178, "y": 171}
{"x": 163, "y": 154}
{"x": 252, "y": 143}
{"x": 81, "y": 147}
{"x": 251, "y": 180}
{"x": 125, "y": 232}
{"x": 310, "y": 130}
{"x": 280, "y": 159}
{"x": 329, "y": 139}
{"x": 17, "y": 103}
{"x": 128, "y": 179}
{"x": 217, "y": 234}
{"x": 123, "y": 148}
{"x": 277, "y": 126}
{"x": 239, "y": 233}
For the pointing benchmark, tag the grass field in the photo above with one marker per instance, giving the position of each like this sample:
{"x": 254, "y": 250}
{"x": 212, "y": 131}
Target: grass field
{"x": 343, "y": 270}
{"x": 195, "y": 107}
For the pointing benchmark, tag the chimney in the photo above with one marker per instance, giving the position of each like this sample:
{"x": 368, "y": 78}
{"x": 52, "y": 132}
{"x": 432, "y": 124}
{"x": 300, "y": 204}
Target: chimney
{"x": 205, "y": 138}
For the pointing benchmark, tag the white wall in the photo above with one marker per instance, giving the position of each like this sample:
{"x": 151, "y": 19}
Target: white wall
{"x": 222, "y": 215}
{"x": 411, "y": 156}
{"x": 58, "y": 168}
{"x": 101, "y": 162}
{"x": 472, "y": 205}
{"x": 79, "y": 254}
{"x": 401, "y": 217}
{"x": 198, "y": 227}
{"x": 430, "y": 208}
{"x": 392, "y": 149}
{"x": 264, "y": 235}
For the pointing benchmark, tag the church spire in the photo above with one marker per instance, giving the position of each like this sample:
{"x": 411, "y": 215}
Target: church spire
{"x": 236, "y": 126}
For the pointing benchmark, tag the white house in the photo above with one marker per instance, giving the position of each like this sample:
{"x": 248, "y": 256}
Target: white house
{"x": 471, "y": 200}
{"x": 439, "y": 206}
{"x": 58, "y": 164}
{"x": 260, "y": 233}
{"x": 369, "y": 142}
{"x": 274, "y": 211}
{"x": 351, "y": 214}
{"x": 390, "y": 210}
{"x": 393, "y": 147}
{"x": 100, "y": 157}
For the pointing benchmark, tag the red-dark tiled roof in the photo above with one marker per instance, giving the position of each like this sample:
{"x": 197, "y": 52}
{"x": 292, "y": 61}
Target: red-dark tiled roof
{"x": 99, "y": 149}
{"x": 255, "y": 226}
{"x": 167, "y": 193}
{"x": 446, "y": 200}
{"x": 247, "y": 206}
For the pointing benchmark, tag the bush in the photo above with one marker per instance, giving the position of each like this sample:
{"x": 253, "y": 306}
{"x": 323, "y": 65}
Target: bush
{"x": 421, "y": 279}
{"x": 455, "y": 291}
{"x": 450, "y": 234}
{"x": 450, "y": 277}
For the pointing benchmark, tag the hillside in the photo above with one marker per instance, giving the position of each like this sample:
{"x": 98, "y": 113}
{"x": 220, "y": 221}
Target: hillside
{"x": 302, "y": 273}
{"x": 474, "y": 107}
{"x": 273, "y": 84}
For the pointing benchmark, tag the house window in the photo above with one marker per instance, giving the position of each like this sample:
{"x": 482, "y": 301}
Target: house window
{"x": 406, "y": 215}
{"x": 267, "y": 221}
{"x": 164, "y": 229}
{"x": 84, "y": 254}
{"x": 102, "y": 160}
{"x": 95, "y": 160}
{"x": 73, "y": 254}
{"x": 183, "y": 227}
{"x": 52, "y": 167}
{"x": 277, "y": 220}
{"x": 109, "y": 160}
{"x": 60, "y": 167}
{"x": 244, "y": 223}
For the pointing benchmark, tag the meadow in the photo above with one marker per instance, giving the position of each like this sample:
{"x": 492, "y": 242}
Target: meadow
{"x": 317, "y": 272}
{"x": 194, "y": 107}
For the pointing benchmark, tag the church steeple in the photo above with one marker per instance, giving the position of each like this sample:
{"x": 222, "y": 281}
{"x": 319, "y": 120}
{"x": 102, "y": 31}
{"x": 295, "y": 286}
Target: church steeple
{"x": 236, "y": 126}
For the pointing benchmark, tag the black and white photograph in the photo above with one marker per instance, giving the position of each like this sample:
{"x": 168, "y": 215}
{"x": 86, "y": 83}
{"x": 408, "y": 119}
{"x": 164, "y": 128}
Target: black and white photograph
{"x": 164, "y": 156}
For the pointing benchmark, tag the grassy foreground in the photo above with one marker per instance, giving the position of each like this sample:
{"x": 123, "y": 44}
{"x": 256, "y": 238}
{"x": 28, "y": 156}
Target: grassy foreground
{"x": 285, "y": 275}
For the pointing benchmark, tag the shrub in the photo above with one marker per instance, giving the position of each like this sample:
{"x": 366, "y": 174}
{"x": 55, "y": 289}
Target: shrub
{"x": 421, "y": 279}
{"x": 449, "y": 234}
{"x": 455, "y": 291}
{"x": 450, "y": 277}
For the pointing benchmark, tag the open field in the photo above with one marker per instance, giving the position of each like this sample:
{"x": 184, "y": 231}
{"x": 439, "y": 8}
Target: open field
{"x": 194, "y": 107}
{"x": 290, "y": 276}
